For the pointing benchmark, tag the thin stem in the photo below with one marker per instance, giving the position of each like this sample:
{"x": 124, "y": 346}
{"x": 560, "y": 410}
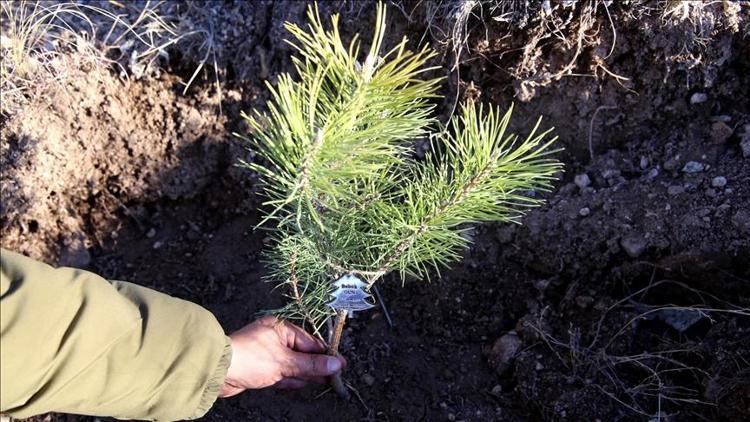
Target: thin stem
{"x": 333, "y": 349}
{"x": 294, "y": 281}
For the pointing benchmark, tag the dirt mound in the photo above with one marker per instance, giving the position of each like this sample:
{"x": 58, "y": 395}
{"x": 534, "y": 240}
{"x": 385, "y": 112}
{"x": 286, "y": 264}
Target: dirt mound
{"x": 76, "y": 156}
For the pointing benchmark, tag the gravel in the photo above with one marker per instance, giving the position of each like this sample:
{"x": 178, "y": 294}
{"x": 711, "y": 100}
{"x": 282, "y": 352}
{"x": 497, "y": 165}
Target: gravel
{"x": 634, "y": 244}
{"x": 698, "y": 98}
{"x": 368, "y": 379}
{"x": 720, "y": 132}
{"x": 745, "y": 145}
{"x": 719, "y": 182}
{"x": 693, "y": 167}
{"x": 582, "y": 180}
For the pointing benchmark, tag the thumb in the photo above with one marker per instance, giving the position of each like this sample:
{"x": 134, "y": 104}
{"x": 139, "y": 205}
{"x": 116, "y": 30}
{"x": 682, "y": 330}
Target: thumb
{"x": 311, "y": 365}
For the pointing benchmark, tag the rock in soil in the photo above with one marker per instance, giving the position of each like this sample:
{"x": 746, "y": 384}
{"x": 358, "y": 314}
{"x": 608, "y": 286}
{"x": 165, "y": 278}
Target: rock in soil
{"x": 679, "y": 319}
{"x": 693, "y": 167}
{"x": 698, "y": 98}
{"x": 368, "y": 379}
{"x": 719, "y": 182}
{"x": 745, "y": 145}
{"x": 720, "y": 132}
{"x": 504, "y": 351}
{"x": 634, "y": 244}
{"x": 582, "y": 180}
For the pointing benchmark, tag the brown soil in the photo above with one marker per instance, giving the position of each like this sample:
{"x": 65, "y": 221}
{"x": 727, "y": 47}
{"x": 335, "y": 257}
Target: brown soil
{"x": 575, "y": 315}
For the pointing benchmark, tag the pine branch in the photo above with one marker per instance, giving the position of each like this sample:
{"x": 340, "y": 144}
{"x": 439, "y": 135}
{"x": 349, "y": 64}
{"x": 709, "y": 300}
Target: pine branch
{"x": 334, "y": 146}
{"x": 342, "y": 122}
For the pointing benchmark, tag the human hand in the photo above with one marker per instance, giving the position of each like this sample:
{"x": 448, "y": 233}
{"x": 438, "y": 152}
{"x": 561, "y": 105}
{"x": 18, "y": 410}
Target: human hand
{"x": 272, "y": 352}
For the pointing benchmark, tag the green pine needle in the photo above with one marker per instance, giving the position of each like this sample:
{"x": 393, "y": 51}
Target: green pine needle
{"x": 335, "y": 148}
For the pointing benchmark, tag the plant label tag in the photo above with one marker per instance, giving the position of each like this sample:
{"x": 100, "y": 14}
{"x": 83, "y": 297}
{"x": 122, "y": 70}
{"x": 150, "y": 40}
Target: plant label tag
{"x": 350, "y": 295}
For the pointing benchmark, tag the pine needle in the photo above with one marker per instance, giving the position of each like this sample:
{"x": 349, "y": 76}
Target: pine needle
{"x": 335, "y": 146}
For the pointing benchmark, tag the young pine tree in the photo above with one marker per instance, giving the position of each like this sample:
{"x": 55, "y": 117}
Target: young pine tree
{"x": 346, "y": 193}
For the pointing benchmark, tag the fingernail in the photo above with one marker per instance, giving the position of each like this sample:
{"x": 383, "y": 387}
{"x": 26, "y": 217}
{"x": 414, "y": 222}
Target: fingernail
{"x": 333, "y": 365}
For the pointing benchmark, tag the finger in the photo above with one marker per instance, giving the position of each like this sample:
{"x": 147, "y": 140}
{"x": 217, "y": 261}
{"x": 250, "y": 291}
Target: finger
{"x": 344, "y": 362}
{"x": 290, "y": 384}
{"x": 316, "y": 380}
{"x": 302, "y": 341}
{"x": 311, "y": 365}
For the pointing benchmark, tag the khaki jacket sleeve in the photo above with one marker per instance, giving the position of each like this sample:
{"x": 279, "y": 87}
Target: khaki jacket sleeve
{"x": 73, "y": 342}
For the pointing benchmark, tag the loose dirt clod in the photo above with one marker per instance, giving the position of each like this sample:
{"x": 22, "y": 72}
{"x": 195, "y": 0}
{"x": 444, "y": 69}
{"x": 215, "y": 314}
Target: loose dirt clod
{"x": 504, "y": 351}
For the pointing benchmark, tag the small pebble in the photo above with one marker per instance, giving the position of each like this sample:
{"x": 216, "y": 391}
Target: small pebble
{"x": 497, "y": 390}
{"x": 698, "y": 98}
{"x": 368, "y": 379}
{"x": 157, "y": 245}
{"x": 644, "y": 163}
{"x": 582, "y": 180}
{"x": 693, "y": 167}
{"x": 720, "y": 132}
{"x": 675, "y": 190}
{"x": 151, "y": 233}
{"x": 584, "y": 212}
{"x": 719, "y": 182}
{"x": 634, "y": 244}
{"x": 539, "y": 366}
{"x": 745, "y": 145}
{"x": 504, "y": 351}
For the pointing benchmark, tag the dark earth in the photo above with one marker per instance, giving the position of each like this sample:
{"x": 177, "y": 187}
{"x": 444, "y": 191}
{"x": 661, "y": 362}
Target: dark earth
{"x": 625, "y": 297}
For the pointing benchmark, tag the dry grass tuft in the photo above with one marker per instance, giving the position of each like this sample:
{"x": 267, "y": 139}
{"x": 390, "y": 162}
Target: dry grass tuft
{"x": 33, "y": 40}
{"x": 652, "y": 382}
{"x": 538, "y": 43}
{"x": 41, "y": 40}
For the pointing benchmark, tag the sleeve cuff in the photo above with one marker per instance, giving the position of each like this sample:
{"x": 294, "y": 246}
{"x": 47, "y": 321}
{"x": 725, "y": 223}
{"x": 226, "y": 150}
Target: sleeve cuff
{"x": 213, "y": 386}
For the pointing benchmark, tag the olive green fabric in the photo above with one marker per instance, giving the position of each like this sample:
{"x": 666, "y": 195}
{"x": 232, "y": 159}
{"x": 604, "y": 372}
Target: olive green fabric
{"x": 73, "y": 342}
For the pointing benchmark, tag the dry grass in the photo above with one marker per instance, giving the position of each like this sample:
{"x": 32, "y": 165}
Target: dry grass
{"x": 652, "y": 382}
{"x": 33, "y": 39}
{"x": 40, "y": 41}
{"x": 538, "y": 43}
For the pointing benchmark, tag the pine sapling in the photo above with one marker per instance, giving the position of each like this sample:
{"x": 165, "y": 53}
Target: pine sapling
{"x": 350, "y": 200}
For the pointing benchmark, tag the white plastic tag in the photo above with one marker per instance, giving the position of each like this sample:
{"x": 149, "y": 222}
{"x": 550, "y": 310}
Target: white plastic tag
{"x": 350, "y": 295}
